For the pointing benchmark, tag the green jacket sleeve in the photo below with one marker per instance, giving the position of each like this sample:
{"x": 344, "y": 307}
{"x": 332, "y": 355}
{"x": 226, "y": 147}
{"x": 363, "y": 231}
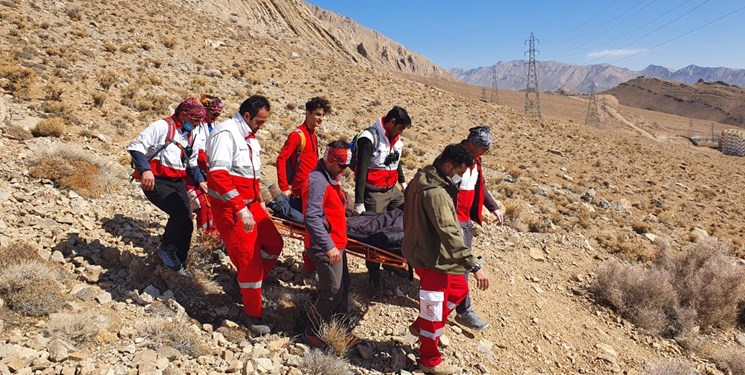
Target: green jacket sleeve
{"x": 441, "y": 213}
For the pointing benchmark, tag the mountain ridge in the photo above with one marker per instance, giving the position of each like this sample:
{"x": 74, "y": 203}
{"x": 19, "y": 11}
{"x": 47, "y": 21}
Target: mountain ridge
{"x": 553, "y": 75}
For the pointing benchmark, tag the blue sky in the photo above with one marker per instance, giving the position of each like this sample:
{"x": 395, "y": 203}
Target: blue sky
{"x": 627, "y": 33}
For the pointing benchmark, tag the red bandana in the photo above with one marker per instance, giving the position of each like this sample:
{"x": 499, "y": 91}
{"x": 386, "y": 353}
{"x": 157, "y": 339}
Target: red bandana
{"x": 342, "y": 156}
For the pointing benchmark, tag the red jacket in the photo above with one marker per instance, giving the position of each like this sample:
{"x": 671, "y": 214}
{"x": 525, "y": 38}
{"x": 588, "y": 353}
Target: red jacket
{"x": 302, "y": 165}
{"x": 473, "y": 196}
{"x": 324, "y": 211}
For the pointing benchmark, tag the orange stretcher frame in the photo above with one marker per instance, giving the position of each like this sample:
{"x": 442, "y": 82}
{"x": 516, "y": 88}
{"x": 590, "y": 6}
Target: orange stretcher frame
{"x": 359, "y": 249}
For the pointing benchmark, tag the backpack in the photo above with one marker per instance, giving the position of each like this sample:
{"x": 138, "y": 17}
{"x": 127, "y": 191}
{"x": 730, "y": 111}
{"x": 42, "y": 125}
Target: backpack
{"x": 291, "y": 167}
{"x": 353, "y": 144}
{"x": 169, "y": 140}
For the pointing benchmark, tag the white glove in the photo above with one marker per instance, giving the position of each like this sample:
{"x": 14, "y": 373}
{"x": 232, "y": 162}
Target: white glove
{"x": 500, "y": 217}
{"x": 247, "y": 219}
{"x": 359, "y": 208}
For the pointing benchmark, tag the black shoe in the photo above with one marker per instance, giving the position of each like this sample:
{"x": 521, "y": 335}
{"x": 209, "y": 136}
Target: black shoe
{"x": 257, "y": 326}
{"x": 376, "y": 285}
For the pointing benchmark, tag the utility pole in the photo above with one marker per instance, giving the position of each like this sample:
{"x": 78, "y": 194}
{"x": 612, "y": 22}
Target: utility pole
{"x": 690, "y": 128}
{"x": 593, "y": 116}
{"x": 495, "y": 89}
{"x": 532, "y": 100}
{"x": 712, "y": 132}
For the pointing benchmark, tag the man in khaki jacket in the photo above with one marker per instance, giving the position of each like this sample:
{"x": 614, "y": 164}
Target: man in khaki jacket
{"x": 433, "y": 244}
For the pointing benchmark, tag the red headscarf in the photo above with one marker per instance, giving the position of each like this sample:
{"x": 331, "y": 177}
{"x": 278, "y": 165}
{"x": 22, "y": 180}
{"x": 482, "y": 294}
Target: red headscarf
{"x": 192, "y": 108}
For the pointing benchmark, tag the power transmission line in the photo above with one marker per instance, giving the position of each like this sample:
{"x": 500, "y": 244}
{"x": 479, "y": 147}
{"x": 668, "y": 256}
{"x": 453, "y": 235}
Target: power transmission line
{"x": 558, "y": 40}
{"x": 607, "y": 30}
{"x": 658, "y": 29}
{"x": 593, "y": 115}
{"x": 681, "y": 35}
{"x": 637, "y": 29}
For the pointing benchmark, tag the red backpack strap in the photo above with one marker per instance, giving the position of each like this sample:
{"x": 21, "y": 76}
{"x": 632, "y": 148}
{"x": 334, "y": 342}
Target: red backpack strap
{"x": 171, "y": 129}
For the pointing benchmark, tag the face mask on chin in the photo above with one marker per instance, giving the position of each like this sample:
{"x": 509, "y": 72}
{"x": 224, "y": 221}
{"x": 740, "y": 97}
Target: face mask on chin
{"x": 188, "y": 126}
{"x": 456, "y": 179}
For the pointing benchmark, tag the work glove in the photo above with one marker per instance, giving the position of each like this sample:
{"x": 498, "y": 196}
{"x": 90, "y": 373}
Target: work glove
{"x": 359, "y": 208}
{"x": 247, "y": 219}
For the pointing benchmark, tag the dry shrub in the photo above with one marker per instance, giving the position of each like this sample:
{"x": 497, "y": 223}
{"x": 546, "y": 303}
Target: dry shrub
{"x": 31, "y": 287}
{"x": 106, "y": 79}
{"x": 515, "y": 172}
{"x": 708, "y": 281}
{"x": 731, "y": 360}
{"x": 645, "y": 296}
{"x": 670, "y": 368}
{"x": 53, "y": 91}
{"x": 17, "y": 253}
{"x": 77, "y": 327}
{"x": 89, "y": 175}
{"x": 169, "y": 42}
{"x": 109, "y": 47}
{"x": 16, "y": 132}
{"x": 321, "y": 363}
{"x": 175, "y": 334}
{"x": 49, "y": 127}
{"x": 98, "y": 98}
{"x": 701, "y": 286}
{"x": 640, "y": 227}
{"x": 20, "y": 81}
{"x": 75, "y": 12}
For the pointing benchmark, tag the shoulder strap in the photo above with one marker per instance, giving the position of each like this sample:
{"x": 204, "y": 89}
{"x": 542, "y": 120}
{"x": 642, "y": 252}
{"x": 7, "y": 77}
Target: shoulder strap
{"x": 301, "y": 146}
{"x": 171, "y": 129}
{"x": 376, "y": 137}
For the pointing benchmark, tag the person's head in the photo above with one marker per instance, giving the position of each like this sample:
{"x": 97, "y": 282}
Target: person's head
{"x": 454, "y": 161}
{"x": 396, "y": 121}
{"x": 213, "y": 105}
{"x": 255, "y": 111}
{"x": 189, "y": 113}
{"x": 337, "y": 158}
{"x": 479, "y": 140}
{"x": 315, "y": 110}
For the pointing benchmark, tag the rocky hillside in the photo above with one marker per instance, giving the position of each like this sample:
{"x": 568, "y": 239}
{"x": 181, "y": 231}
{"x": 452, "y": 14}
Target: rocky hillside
{"x": 715, "y": 101}
{"x": 82, "y": 290}
{"x": 319, "y": 31}
{"x": 552, "y": 75}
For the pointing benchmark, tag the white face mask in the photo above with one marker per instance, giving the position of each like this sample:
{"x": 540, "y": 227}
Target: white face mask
{"x": 456, "y": 179}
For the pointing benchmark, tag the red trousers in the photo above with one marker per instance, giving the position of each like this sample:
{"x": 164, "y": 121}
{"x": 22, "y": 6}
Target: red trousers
{"x": 439, "y": 293}
{"x": 253, "y": 253}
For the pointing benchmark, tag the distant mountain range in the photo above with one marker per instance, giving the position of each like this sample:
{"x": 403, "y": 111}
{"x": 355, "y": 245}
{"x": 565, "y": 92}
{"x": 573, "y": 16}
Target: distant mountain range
{"x": 552, "y": 75}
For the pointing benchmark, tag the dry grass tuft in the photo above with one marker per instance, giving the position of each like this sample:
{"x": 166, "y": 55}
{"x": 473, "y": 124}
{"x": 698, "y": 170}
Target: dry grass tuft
{"x": 77, "y": 327}
{"x": 731, "y": 360}
{"x": 20, "y": 81}
{"x": 31, "y": 287}
{"x": 16, "y": 132}
{"x": 49, "y": 127}
{"x": 17, "y": 253}
{"x": 701, "y": 286}
{"x": 75, "y": 12}
{"x": 106, "y": 79}
{"x": 670, "y": 368}
{"x": 87, "y": 174}
{"x": 336, "y": 335}
{"x": 318, "y": 362}
{"x": 175, "y": 334}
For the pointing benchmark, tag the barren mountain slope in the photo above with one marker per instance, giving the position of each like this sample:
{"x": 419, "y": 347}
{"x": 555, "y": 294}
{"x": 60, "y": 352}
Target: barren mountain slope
{"x": 708, "y": 101}
{"x": 109, "y": 68}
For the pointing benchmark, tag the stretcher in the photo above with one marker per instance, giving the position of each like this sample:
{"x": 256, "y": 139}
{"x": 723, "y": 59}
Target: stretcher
{"x": 296, "y": 230}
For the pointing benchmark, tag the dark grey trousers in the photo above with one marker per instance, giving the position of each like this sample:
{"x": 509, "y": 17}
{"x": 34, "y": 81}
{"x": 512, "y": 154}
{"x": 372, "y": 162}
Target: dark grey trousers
{"x": 333, "y": 290}
{"x": 467, "y": 227}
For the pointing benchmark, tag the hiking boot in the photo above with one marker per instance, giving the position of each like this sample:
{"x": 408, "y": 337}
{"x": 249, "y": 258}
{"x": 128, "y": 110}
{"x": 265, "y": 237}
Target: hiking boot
{"x": 441, "y": 369}
{"x": 314, "y": 341}
{"x": 168, "y": 256}
{"x": 257, "y": 326}
{"x": 471, "y": 320}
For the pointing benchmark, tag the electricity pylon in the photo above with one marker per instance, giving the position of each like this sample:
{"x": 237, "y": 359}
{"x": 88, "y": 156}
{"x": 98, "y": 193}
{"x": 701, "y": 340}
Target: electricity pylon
{"x": 532, "y": 100}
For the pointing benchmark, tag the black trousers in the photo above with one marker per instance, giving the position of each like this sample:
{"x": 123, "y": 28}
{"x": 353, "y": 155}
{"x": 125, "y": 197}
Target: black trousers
{"x": 170, "y": 196}
{"x": 467, "y": 227}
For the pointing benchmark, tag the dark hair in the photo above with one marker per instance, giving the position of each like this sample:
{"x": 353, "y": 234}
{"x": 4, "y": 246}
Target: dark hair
{"x": 456, "y": 154}
{"x": 318, "y": 102}
{"x": 339, "y": 144}
{"x": 399, "y": 114}
{"x": 253, "y": 105}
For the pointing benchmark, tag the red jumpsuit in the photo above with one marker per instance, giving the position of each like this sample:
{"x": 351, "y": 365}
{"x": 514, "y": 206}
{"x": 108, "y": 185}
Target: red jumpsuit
{"x": 234, "y": 184}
